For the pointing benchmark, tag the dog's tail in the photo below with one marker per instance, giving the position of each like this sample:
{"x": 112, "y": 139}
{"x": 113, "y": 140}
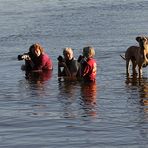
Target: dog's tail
{"x": 122, "y": 57}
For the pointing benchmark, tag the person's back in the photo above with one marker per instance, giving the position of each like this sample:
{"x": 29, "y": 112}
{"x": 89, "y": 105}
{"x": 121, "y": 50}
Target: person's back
{"x": 89, "y": 72}
{"x": 88, "y": 66}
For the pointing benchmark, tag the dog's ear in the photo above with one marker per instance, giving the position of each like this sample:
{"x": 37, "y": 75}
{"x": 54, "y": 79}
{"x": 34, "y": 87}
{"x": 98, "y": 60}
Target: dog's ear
{"x": 142, "y": 38}
{"x": 138, "y": 38}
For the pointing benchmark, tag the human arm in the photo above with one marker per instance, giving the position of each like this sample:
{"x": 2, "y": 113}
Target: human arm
{"x": 43, "y": 62}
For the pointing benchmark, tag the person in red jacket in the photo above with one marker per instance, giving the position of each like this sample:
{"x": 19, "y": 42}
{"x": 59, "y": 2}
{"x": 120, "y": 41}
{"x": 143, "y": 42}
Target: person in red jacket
{"x": 88, "y": 66}
{"x": 38, "y": 60}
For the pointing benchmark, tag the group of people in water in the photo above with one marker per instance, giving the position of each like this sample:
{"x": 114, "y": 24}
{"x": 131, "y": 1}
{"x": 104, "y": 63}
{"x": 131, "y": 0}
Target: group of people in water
{"x": 84, "y": 68}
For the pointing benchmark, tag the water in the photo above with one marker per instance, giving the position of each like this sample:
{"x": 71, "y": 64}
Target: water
{"x": 48, "y": 113}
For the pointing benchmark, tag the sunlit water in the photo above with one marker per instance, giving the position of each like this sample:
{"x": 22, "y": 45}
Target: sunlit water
{"x": 50, "y": 113}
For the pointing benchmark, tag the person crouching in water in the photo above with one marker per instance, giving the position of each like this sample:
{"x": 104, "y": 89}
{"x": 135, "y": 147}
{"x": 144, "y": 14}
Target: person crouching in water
{"x": 38, "y": 60}
{"x": 67, "y": 65}
{"x": 88, "y": 67}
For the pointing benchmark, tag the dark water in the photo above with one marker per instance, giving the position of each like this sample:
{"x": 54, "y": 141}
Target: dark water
{"x": 48, "y": 113}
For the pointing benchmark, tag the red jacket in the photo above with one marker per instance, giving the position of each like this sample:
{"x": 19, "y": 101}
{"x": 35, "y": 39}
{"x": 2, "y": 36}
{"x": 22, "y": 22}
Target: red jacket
{"x": 89, "y": 70}
{"x": 43, "y": 62}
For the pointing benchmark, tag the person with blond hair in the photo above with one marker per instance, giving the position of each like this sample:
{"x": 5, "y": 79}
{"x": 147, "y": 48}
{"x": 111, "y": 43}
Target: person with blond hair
{"x": 38, "y": 60}
{"x": 88, "y": 66}
{"x": 67, "y": 65}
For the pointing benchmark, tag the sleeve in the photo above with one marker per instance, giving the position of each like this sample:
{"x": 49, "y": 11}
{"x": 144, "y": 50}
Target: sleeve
{"x": 86, "y": 70}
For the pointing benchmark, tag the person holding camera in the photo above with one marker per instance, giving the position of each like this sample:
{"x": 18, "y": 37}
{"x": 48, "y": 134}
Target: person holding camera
{"x": 36, "y": 59}
{"x": 88, "y": 66}
{"x": 67, "y": 65}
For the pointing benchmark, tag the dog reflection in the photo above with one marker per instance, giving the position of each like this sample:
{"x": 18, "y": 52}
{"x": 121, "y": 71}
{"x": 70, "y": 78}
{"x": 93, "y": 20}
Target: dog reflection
{"x": 142, "y": 85}
{"x": 144, "y": 94}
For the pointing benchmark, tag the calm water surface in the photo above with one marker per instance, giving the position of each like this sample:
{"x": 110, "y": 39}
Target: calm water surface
{"x": 51, "y": 113}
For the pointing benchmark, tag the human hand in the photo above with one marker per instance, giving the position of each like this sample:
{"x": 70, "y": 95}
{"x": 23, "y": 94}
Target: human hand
{"x": 61, "y": 64}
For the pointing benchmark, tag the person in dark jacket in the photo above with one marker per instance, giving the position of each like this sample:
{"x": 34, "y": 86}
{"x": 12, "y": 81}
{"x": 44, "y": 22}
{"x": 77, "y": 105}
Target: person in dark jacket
{"x": 67, "y": 65}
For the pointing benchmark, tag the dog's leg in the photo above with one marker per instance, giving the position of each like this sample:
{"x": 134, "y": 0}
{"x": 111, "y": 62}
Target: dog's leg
{"x": 140, "y": 70}
{"x": 134, "y": 67}
{"x": 127, "y": 67}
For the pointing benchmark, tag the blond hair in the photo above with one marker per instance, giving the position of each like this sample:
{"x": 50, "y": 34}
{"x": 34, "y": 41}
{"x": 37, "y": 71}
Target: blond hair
{"x": 88, "y": 52}
{"x": 68, "y": 50}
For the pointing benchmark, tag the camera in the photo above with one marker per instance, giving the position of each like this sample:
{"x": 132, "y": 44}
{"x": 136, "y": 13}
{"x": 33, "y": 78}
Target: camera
{"x": 61, "y": 59}
{"x": 82, "y": 59}
{"x": 24, "y": 56}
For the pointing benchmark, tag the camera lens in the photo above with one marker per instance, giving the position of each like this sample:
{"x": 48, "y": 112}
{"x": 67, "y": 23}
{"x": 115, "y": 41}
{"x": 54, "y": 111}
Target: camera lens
{"x": 19, "y": 57}
{"x": 60, "y": 59}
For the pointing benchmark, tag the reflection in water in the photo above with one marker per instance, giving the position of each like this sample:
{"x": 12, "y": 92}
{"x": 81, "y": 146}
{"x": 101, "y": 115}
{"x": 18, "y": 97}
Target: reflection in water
{"x": 38, "y": 76}
{"x": 68, "y": 92}
{"x": 144, "y": 95}
{"x": 36, "y": 81}
{"x": 36, "y": 90}
{"x": 139, "y": 87}
{"x": 77, "y": 99}
{"x": 142, "y": 86}
{"x": 89, "y": 95}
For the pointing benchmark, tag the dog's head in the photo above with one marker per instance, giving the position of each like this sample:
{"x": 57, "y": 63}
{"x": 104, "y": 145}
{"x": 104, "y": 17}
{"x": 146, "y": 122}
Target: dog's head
{"x": 143, "y": 42}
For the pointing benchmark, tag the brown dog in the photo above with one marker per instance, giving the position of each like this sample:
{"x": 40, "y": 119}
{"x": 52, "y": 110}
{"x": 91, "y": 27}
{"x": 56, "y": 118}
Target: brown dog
{"x": 137, "y": 55}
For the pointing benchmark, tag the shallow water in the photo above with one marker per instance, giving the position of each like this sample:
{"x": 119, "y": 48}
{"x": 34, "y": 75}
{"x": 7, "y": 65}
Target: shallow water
{"x": 52, "y": 113}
